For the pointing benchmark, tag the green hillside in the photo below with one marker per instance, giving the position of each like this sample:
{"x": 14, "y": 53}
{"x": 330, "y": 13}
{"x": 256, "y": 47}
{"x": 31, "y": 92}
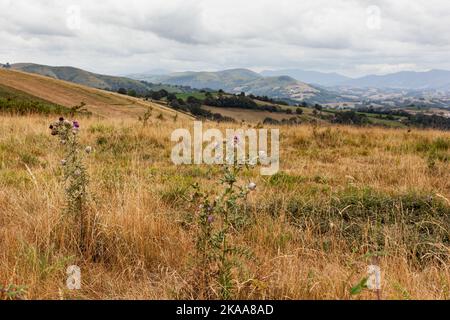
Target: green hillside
{"x": 238, "y": 80}
{"x": 227, "y": 80}
{"x": 90, "y": 79}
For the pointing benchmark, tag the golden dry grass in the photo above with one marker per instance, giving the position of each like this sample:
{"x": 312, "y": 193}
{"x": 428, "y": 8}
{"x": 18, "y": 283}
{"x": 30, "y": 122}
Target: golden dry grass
{"x": 99, "y": 102}
{"x": 311, "y": 228}
{"x": 248, "y": 115}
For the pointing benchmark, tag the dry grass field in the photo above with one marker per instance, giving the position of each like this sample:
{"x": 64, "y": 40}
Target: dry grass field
{"x": 246, "y": 115}
{"x": 342, "y": 196}
{"x": 100, "y": 102}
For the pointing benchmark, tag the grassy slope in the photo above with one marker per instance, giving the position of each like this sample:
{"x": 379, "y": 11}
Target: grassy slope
{"x": 82, "y": 77}
{"x": 226, "y": 80}
{"x": 11, "y": 93}
{"x": 99, "y": 102}
{"x": 19, "y": 102}
{"x": 342, "y": 193}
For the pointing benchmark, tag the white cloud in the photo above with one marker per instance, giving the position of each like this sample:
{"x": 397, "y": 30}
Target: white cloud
{"x": 385, "y": 68}
{"x": 137, "y": 35}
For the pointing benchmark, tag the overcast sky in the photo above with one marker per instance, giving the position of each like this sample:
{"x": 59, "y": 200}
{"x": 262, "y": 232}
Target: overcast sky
{"x": 121, "y": 37}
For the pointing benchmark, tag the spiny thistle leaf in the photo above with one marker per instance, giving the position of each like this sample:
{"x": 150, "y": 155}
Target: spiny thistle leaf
{"x": 359, "y": 287}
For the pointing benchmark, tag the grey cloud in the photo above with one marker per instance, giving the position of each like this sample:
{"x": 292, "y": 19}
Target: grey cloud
{"x": 133, "y": 36}
{"x": 33, "y": 19}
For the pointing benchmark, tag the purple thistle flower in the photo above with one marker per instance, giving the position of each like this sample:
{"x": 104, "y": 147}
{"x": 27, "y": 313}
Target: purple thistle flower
{"x": 76, "y": 125}
{"x": 210, "y": 219}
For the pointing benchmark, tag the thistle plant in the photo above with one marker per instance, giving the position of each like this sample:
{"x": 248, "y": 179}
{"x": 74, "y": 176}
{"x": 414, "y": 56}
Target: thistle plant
{"x": 216, "y": 254}
{"x": 12, "y": 292}
{"x": 144, "y": 119}
{"x": 75, "y": 176}
{"x": 79, "y": 109}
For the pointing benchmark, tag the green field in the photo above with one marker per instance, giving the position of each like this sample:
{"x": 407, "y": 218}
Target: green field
{"x": 376, "y": 120}
{"x": 198, "y": 95}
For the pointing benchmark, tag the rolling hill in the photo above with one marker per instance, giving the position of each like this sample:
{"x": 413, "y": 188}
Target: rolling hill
{"x": 89, "y": 79}
{"x": 282, "y": 87}
{"x": 237, "y": 80}
{"x": 17, "y": 102}
{"x": 313, "y": 77}
{"x": 227, "y": 80}
{"x": 67, "y": 94}
{"x": 433, "y": 79}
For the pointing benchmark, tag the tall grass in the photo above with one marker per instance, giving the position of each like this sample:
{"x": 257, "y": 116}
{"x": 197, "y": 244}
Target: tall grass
{"x": 343, "y": 195}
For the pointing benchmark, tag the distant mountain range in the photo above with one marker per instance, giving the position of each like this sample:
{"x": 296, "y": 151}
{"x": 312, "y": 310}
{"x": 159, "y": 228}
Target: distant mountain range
{"x": 292, "y": 85}
{"x": 244, "y": 80}
{"x": 234, "y": 81}
{"x": 298, "y": 85}
{"x": 433, "y": 79}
